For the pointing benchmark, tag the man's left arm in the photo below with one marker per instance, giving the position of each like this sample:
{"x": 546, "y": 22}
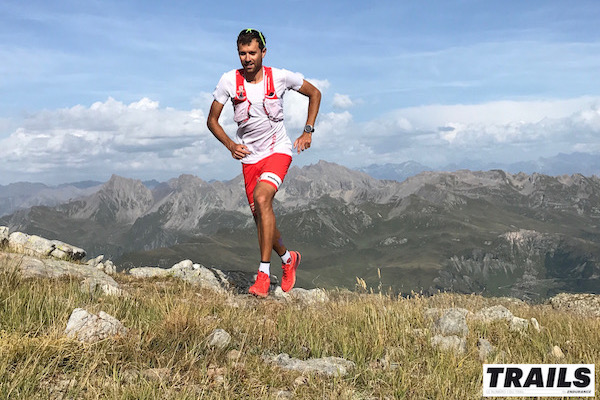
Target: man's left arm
{"x": 314, "y": 101}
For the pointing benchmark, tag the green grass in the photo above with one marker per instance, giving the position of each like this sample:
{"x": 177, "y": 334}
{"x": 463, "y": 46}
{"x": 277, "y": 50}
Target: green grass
{"x": 169, "y": 321}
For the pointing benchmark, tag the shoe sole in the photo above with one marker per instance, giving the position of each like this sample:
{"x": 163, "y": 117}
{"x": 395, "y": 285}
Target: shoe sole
{"x": 261, "y": 295}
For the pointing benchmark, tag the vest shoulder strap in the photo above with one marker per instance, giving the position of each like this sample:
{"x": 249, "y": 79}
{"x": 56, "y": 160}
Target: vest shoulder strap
{"x": 269, "y": 84}
{"x": 240, "y": 89}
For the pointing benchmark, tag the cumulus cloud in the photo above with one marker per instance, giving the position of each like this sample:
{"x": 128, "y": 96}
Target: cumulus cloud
{"x": 139, "y": 138}
{"x": 295, "y": 105}
{"x": 342, "y": 101}
{"x": 144, "y": 140}
{"x": 437, "y": 135}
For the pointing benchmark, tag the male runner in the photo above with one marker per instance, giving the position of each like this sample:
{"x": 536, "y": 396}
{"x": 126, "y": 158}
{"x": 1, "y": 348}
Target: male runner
{"x": 262, "y": 145}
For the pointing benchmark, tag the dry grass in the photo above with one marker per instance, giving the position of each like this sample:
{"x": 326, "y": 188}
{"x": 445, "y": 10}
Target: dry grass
{"x": 169, "y": 322}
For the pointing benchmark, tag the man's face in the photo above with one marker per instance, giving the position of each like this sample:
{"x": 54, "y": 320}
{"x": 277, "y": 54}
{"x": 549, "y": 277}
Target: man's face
{"x": 251, "y": 56}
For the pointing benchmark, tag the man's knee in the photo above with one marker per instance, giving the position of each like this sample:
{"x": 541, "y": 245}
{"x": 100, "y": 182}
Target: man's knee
{"x": 263, "y": 197}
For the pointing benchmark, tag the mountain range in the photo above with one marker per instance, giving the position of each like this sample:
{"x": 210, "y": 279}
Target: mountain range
{"x": 561, "y": 164}
{"x": 523, "y": 235}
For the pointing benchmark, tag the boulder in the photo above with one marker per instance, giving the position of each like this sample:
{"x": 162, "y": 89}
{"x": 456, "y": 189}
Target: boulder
{"x": 578, "y": 303}
{"x": 452, "y": 322}
{"x": 186, "y": 270}
{"x": 451, "y": 343}
{"x": 30, "y": 244}
{"x": 110, "y": 268}
{"x": 303, "y": 296}
{"x": 34, "y": 245}
{"x": 219, "y": 339}
{"x": 518, "y": 324}
{"x": 95, "y": 261}
{"x": 494, "y": 313}
{"x": 149, "y": 272}
{"x": 90, "y": 285}
{"x": 71, "y": 252}
{"x": 32, "y": 267}
{"x": 4, "y": 235}
{"x": 90, "y": 328}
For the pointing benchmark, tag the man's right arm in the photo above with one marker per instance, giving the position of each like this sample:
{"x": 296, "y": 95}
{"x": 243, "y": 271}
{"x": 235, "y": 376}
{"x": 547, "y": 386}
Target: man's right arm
{"x": 238, "y": 151}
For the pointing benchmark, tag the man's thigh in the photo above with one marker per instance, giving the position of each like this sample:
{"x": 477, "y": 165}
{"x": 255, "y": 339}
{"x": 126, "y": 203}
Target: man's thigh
{"x": 269, "y": 171}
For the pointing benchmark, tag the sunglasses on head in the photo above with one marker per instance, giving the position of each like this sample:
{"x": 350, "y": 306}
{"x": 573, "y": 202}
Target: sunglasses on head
{"x": 250, "y": 30}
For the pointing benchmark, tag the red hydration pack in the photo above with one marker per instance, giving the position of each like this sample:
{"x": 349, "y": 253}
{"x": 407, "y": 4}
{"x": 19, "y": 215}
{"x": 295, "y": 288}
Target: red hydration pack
{"x": 274, "y": 113}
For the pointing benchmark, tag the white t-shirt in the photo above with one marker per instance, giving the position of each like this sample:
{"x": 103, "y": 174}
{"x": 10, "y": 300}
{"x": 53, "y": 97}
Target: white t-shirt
{"x": 260, "y": 134}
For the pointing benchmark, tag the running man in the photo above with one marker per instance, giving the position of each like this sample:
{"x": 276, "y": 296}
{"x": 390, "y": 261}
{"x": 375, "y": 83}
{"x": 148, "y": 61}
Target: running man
{"x": 263, "y": 145}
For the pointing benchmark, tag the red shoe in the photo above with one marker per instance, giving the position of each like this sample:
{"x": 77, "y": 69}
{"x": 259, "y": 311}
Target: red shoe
{"x": 289, "y": 272}
{"x": 261, "y": 286}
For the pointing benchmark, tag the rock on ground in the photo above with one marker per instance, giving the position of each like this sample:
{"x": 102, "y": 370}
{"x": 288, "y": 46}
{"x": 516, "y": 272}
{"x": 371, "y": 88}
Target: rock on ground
{"x": 38, "y": 246}
{"x": 90, "y": 285}
{"x": 578, "y": 303}
{"x": 485, "y": 349}
{"x": 452, "y": 343}
{"x": 518, "y": 324}
{"x": 31, "y": 267}
{"x": 219, "y": 338}
{"x": 90, "y": 328}
{"x": 4, "y": 234}
{"x": 452, "y": 322}
{"x": 556, "y": 352}
{"x": 186, "y": 270}
{"x": 331, "y": 366}
{"x": 494, "y": 313}
{"x": 304, "y": 296}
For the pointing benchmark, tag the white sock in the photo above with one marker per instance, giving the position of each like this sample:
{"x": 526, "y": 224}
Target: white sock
{"x": 265, "y": 267}
{"x": 286, "y": 257}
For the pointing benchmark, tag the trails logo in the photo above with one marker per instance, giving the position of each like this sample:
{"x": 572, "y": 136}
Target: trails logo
{"x": 553, "y": 380}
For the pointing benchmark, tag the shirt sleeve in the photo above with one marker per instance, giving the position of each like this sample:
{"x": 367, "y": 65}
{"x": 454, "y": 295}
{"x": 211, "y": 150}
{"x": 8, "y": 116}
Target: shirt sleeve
{"x": 222, "y": 92}
{"x": 293, "y": 80}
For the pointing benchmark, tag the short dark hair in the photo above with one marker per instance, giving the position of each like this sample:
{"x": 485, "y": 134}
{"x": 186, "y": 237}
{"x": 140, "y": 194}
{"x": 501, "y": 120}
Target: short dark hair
{"x": 246, "y": 37}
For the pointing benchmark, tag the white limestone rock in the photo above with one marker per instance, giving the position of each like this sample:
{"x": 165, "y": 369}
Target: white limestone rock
{"x": 330, "y": 366}
{"x": 219, "y": 339}
{"x": 4, "y": 235}
{"x": 451, "y": 343}
{"x": 494, "y": 313}
{"x": 90, "y": 328}
{"x": 452, "y": 322}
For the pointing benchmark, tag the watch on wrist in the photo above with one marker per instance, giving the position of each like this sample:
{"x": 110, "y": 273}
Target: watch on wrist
{"x": 309, "y": 128}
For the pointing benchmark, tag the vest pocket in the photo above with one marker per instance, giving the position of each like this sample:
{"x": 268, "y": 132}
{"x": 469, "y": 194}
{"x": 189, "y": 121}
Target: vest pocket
{"x": 274, "y": 109}
{"x": 241, "y": 112}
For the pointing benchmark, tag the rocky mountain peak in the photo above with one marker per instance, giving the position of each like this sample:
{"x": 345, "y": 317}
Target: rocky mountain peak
{"x": 305, "y": 184}
{"x": 186, "y": 182}
{"x": 121, "y": 200}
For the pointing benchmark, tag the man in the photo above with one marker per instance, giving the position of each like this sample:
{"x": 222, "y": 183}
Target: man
{"x": 262, "y": 144}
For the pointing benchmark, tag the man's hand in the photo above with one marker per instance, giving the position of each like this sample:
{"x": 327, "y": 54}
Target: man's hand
{"x": 303, "y": 142}
{"x": 239, "y": 151}
{"x": 314, "y": 100}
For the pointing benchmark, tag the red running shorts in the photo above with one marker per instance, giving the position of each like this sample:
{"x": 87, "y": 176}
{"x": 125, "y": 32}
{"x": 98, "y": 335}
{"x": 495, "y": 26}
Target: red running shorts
{"x": 271, "y": 170}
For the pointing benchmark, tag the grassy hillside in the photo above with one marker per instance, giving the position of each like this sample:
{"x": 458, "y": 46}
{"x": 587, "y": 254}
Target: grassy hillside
{"x": 169, "y": 321}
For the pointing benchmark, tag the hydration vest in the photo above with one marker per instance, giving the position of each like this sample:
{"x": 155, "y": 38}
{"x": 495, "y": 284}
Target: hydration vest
{"x": 271, "y": 103}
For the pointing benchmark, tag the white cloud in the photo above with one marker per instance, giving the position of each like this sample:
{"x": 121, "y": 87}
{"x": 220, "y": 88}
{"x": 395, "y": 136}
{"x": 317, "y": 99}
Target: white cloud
{"x": 296, "y": 107}
{"x": 108, "y": 137}
{"x": 144, "y": 140}
{"x": 437, "y": 135}
{"x": 342, "y": 101}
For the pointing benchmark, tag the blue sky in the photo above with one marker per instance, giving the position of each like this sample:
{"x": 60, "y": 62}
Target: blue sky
{"x": 99, "y": 87}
